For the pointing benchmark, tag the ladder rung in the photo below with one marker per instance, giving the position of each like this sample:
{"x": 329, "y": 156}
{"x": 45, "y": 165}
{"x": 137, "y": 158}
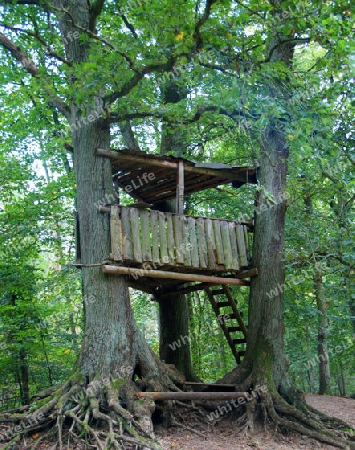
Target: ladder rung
{"x": 217, "y": 291}
{"x": 233, "y": 329}
{"x": 239, "y": 341}
{"x": 230, "y": 316}
{"x": 222, "y": 304}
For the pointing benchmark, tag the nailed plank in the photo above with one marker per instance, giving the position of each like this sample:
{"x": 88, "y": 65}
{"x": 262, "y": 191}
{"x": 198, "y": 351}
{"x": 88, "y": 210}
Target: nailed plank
{"x": 233, "y": 241}
{"x": 246, "y": 240}
{"x": 227, "y": 250}
{"x": 178, "y": 230}
{"x": 164, "y": 257}
{"x": 186, "y": 248}
{"x": 218, "y": 240}
{"x": 115, "y": 226}
{"x": 171, "y": 238}
{"x": 180, "y": 189}
{"x": 211, "y": 244}
{"x": 241, "y": 245}
{"x": 146, "y": 247}
{"x": 154, "y": 220}
{"x": 202, "y": 244}
{"x": 126, "y": 235}
{"x": 195, "y": 261}
{"x": 136, "y": 236}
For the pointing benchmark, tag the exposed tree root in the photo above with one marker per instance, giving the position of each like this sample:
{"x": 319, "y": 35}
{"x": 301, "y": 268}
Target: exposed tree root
{"x": 276, "y": 412}
{"x": 94, "y": 414}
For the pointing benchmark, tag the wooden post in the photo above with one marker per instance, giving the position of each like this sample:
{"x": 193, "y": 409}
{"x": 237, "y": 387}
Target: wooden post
{"x": 180, "y": 189}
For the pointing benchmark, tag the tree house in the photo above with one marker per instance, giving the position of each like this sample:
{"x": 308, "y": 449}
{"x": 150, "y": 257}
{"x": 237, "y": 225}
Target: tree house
{"x": 163, "y": 253}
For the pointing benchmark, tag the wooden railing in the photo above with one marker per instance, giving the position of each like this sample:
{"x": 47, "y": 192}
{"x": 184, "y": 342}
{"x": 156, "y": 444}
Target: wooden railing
{"x": 169, "y": 240}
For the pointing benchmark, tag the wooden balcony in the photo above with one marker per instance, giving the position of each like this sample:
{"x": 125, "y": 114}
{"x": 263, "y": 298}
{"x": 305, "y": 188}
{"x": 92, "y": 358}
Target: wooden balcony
{"x": 151, "y": 239}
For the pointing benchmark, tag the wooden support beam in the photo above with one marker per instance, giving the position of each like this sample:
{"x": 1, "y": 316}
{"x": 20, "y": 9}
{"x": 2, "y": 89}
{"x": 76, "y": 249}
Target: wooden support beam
{"x": 138, "y": 159}
{"x": 193, "y": 395}
{"x": 201, "y": 286}
{"x": 247, "y": 273}
{"x": 118, "y": 270}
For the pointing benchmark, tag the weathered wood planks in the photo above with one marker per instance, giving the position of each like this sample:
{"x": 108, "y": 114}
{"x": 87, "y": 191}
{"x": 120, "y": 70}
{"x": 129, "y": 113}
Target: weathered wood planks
{"x": 165, "y": 239}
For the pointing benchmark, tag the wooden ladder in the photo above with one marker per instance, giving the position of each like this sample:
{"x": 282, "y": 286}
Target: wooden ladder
{"x": 235, "y": 315}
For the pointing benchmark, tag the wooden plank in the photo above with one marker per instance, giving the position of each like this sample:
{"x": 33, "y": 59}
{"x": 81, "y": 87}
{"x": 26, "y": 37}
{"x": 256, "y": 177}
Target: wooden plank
{"x": 115, "y": 228}
{"x": 195, "y": 260}
{"x": 146, "y": 246}
{"x": 119, "y": 270}
{"x": 227, "y": 249}
{"x": 218, "y": 240}
{"x": 154, "y": 221}
{"x": 246, "y": 240}
{"x": 177, "y": 223}
{"x": 241, "y": 245}
{"x": 136, "y": 235}
{"x": 234, "y": 247}
{"x": 126, "y": 235}
{"x": 243, "y": 397}
{"x": 186, "y": 244}
{"x": 180, "y": 189}
{"x": 171, "y": 238}
{"x": 164, "y": 257}
{"x": 211, "y": 244}
{"x": 202, "y": 244}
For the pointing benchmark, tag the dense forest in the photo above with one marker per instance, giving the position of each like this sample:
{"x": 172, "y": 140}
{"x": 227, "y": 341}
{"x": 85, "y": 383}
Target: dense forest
{"x": 254, "y": 84}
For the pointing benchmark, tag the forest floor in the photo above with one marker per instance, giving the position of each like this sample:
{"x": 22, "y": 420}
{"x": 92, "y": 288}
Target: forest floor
{"x": 222, "y": 436}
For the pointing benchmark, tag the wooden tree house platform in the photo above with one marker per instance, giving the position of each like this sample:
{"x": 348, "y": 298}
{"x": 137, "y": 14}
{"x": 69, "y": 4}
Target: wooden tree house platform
{"x": 163, "y": 253}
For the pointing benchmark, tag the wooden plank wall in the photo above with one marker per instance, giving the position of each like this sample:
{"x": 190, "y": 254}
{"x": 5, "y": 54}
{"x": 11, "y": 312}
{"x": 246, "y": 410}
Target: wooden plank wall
{"x": 166, "y": 239}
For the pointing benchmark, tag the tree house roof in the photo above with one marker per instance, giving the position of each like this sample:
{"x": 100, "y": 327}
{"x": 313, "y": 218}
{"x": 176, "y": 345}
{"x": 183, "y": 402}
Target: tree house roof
{"x": 130, "y": 166}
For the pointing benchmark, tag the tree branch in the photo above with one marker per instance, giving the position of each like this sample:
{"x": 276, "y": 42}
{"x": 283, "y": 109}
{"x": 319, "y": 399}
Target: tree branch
{"x": 129, "y": 25}
{"x": 95, "y": 11}
{"x": 203, "y": 19}
{"x": 197, "y": 115}
{"x": 31, "y": 68}
{"x": 137, "y": 77}
{"x": 50, "y": 52}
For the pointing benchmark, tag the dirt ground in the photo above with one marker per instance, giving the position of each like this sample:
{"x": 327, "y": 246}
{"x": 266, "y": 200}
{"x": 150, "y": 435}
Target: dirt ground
{"x": 223, "y": 435}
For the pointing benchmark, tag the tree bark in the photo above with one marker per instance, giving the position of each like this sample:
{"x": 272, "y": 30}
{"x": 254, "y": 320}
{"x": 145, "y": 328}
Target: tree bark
{"x": 323, "y": 356}
{"x": 266, "y": 322}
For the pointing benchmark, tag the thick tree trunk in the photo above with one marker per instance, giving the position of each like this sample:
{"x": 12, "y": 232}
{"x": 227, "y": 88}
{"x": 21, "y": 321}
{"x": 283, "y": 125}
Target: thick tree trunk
{"x": 174, "y": 311}
{"x": 323, "y": 356}
{"x": 109, "y": 330}
{"x": 266, "y": 323}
